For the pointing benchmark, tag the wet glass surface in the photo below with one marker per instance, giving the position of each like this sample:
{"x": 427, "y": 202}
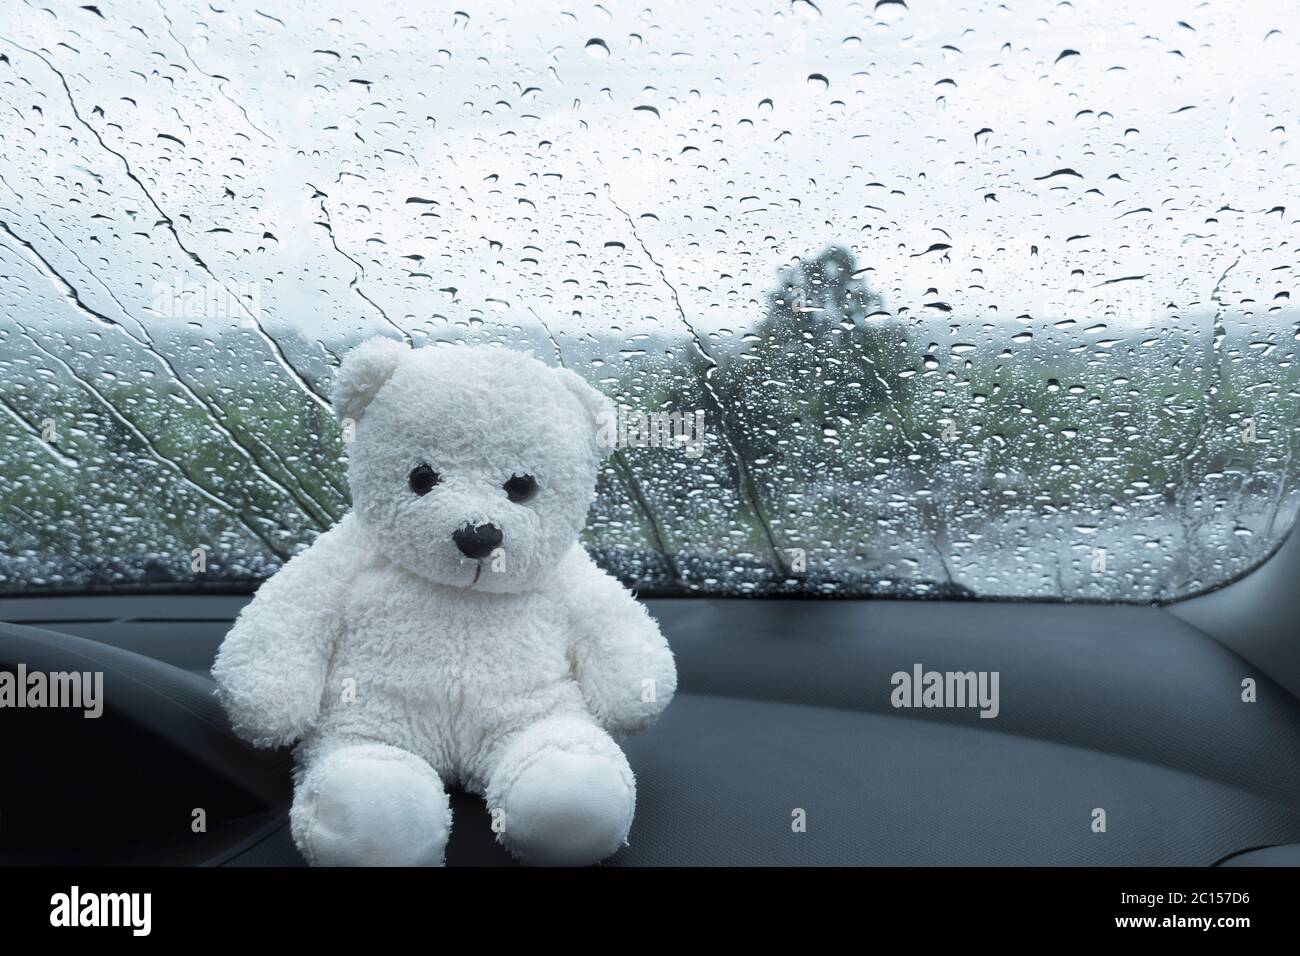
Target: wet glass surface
{"x": 974, "y": 299}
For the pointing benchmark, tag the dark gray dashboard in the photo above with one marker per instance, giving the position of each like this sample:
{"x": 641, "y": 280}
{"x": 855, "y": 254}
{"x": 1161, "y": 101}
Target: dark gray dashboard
{"x": 784, "y": 713}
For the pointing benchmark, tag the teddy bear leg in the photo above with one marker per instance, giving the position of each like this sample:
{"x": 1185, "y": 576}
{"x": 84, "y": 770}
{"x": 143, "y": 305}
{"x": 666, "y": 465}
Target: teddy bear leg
{"x": 368, "y": 804}
{"x": 561, "y": 793}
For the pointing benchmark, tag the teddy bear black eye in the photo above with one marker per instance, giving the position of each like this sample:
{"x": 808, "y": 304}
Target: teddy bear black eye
{"x": 422, "y": 479}
{"x": 520, "y": 487}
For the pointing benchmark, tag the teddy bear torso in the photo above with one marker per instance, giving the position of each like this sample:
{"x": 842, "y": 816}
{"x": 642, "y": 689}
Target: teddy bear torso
{"x": 447, "y": 673}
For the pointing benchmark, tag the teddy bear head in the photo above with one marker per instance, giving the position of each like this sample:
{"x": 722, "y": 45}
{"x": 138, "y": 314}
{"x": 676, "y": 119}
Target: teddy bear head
{"x": 471, "y": 466}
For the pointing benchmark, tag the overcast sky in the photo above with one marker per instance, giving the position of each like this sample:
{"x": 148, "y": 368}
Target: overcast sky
{"x": 561, "y": 155}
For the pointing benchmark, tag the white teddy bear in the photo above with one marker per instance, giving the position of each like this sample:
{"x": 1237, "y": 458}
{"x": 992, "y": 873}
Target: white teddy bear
{"x": 451, "y": 629}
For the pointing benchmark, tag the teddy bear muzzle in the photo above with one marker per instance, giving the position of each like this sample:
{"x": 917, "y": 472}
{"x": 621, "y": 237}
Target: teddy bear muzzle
{"x": 477, "y": 541}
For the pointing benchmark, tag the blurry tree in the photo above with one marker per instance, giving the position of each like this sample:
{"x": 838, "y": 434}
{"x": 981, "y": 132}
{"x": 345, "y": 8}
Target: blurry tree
{"x": 814, "y": 300}
{"x": 824, "y": 357}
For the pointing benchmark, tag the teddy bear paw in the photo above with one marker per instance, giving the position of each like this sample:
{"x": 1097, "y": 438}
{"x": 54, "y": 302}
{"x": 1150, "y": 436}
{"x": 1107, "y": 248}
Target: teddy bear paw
{"x": 371, "y": 805}
{"x": 568, "y": 809}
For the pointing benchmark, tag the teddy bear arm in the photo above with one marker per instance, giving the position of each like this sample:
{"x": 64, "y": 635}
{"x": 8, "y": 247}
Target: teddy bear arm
{"x": 620, "y": 658}
{"x": 271, "y": 667}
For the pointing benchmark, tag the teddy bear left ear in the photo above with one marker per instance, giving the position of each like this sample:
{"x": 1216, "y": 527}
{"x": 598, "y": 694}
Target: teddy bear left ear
{"x": 365, "y": 370}
{"x": 599, "y": 409}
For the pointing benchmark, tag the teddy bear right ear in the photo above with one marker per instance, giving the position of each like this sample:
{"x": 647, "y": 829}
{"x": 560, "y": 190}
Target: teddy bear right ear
{"x": 598, "y": 408}
{"x": 364, "y": 371}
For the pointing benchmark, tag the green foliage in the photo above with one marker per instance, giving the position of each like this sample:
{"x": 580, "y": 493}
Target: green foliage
{"x": 830, "y": 388}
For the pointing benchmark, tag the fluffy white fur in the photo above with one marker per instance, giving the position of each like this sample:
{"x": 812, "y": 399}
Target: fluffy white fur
{"x": 399, "y": 666}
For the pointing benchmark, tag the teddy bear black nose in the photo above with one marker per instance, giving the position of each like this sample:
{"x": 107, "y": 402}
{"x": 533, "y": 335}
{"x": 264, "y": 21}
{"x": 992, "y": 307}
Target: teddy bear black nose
{"x": 477, "y": 542}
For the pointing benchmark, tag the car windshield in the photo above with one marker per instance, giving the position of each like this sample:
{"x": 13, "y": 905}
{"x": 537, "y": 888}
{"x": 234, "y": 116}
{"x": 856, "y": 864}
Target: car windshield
{"x": 902, "y": 299}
